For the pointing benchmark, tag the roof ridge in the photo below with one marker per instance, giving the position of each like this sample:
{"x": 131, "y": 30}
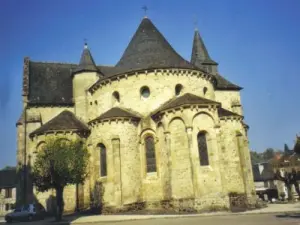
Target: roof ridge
{"x": 52, "y": 62}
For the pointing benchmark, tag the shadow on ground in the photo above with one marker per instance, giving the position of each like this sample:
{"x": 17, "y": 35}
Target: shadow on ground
{"x": 289, "y": 215}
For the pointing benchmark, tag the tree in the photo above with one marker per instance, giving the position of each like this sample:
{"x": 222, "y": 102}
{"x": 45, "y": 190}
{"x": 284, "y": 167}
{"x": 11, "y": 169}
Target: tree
{"x": 59, "y": 163}
{"x": 268, "y": 154}
{"x": 9, "y": 168}
{"x": 255, "y": 157}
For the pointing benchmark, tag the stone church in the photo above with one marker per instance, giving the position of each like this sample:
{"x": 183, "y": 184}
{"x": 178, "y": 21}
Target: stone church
{"x": 161, "y": 131}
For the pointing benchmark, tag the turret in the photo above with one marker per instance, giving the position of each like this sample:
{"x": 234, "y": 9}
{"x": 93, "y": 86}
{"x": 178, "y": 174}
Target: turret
{"x": 200, "y": 56}
{"x": 85, "y": 75}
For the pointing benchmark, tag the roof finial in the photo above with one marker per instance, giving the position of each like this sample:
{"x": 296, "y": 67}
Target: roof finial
{"x": 145, "y": 8}
{"x": 195, "y": 22}
{"x": 85, "y": 43}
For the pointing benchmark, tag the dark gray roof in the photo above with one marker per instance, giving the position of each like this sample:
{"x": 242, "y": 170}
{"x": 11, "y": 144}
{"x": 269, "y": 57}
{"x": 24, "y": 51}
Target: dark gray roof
{"x": 223, "y": 84}
{"x": 8, "y": 178}
{"x": 200, "y": 54}
{"x": 266, "y": 173}
{"x": 224, "y": 112}
{"x": 50, "y": 83}
{"x": 115, "y": 113}
{"x": 149, "y": 49}
{"x": 66, "y": 120}
{"x": 186, "y": 99}
{"x": 86, "y": 63}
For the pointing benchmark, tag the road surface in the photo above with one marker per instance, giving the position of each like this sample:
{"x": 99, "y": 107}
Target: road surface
{"x": 258, "y": 219}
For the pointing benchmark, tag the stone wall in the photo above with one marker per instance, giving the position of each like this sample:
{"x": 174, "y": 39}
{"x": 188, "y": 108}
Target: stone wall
{"x": 161, "y": 85}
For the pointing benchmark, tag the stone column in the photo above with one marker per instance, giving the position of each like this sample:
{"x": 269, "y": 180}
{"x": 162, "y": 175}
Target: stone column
{"x": 168, "y": 183}
{"x": 245, "y": 167}
{"x": 117, "y": 171}
{"x": 219, "y": 160}
{"x": 189, "y": 131}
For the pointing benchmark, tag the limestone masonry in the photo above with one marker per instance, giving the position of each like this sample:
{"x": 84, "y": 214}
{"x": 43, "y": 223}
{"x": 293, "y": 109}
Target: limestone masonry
{"x": 162, "y": 132}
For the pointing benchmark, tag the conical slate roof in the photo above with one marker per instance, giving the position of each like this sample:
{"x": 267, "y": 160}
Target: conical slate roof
{"x": 149, "y": 49}
{"x": 86, "y": 63}
{"x": 200, "y": 54}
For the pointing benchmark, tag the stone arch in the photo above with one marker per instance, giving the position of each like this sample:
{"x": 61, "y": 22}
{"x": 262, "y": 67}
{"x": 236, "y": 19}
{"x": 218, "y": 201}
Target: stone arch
{"x": 206, "y": 113}
{"x": 183, "y": 119}
{"x": 181, "y": 180}
{"x": 147, "y": 131}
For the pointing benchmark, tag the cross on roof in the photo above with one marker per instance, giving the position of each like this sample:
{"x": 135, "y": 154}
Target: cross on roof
{"x": 195, "y": 22}
{"x": 145, "y": 8}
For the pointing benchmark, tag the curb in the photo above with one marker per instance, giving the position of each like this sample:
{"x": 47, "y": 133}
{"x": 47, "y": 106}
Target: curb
{"x": 175, "y": 216}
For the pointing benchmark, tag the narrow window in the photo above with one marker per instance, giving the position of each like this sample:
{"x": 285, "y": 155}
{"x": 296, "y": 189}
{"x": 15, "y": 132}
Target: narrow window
{"x": 178, "y": 89}
{"x": 103, "y": 166}
{"x": 150, "y": 154}
{"x": 145, "y": 92}
{"x": 116, "y": 96}
{"x": 202, "y": 149}
{"x": 204, "y": 90}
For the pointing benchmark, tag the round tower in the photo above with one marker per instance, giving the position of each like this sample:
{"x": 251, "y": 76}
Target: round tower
{"x": 85, "y": 75}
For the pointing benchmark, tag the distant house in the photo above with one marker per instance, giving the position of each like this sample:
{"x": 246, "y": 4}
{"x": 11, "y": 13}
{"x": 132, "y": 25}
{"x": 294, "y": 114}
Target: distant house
{"x": 7, "y": 190}
{"x": 265, "y": 184}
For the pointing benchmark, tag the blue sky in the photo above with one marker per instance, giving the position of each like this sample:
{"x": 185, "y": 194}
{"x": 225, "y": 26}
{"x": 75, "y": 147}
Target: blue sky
{"x": 256, "y": 43}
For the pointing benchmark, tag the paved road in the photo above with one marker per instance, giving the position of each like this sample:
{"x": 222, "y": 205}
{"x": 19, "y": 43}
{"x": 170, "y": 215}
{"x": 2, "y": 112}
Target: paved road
{"x": 262, "y": 219}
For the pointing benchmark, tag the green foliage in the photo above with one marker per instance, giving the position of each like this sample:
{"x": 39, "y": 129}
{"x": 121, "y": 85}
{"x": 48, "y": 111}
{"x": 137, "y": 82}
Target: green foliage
{"x": 265, "y": 156}
{"x": 60, "y": 162}
{"x": 9, "y": 168}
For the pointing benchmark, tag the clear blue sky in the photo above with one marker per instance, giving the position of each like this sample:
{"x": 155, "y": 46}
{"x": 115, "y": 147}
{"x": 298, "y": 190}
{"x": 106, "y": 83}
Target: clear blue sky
{"x": 256, "y": 42}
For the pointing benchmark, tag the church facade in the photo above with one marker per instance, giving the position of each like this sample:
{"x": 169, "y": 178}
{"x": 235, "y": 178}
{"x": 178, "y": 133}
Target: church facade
{"x": 161, "y": 131}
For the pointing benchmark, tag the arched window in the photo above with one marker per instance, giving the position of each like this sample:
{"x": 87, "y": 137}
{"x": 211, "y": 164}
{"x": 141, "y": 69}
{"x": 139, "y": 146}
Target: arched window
{"x": 204, "y": 90}
{"x": 202, "y": 149}
{"x": 116, "y": 96}
{"x": 103, "y": 166}
{"x": 145, "y": 92}
{"x": 178, "y": 89}
{"x": 150, "y": 154}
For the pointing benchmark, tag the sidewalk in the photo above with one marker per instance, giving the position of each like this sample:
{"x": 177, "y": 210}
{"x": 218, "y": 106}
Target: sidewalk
{"x": 272, "y": 208}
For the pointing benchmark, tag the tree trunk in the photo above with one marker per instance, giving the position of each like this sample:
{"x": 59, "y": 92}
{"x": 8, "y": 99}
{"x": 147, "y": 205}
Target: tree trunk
{"x": 59, "y": 203}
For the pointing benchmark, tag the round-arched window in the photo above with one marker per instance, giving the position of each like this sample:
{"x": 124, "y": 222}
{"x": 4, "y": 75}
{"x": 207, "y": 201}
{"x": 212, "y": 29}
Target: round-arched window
{"x": 145, "y": 92}
{"x": 178, "y": 89}
{"x": 116, "y": 96}
{"x": 204, "y": 90}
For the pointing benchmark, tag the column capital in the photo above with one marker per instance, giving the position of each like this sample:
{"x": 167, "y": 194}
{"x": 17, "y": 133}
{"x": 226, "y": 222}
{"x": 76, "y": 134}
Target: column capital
{"x": 189, "y": 129}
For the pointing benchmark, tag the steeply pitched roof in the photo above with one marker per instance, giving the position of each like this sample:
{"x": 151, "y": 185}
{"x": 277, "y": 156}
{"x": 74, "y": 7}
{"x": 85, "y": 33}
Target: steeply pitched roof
{"x": 115, "y": 113}
{"x": 66, "y": 120}
{"x": 200, "y": 54}
{"x": 186, "y": 99}
{"x": 224, "y": 112}
{"x": 8, "y": 178}
{"x": 50, "y": 83}
{"x": 86, "y": 63}
{"x": 149, "y": 49}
